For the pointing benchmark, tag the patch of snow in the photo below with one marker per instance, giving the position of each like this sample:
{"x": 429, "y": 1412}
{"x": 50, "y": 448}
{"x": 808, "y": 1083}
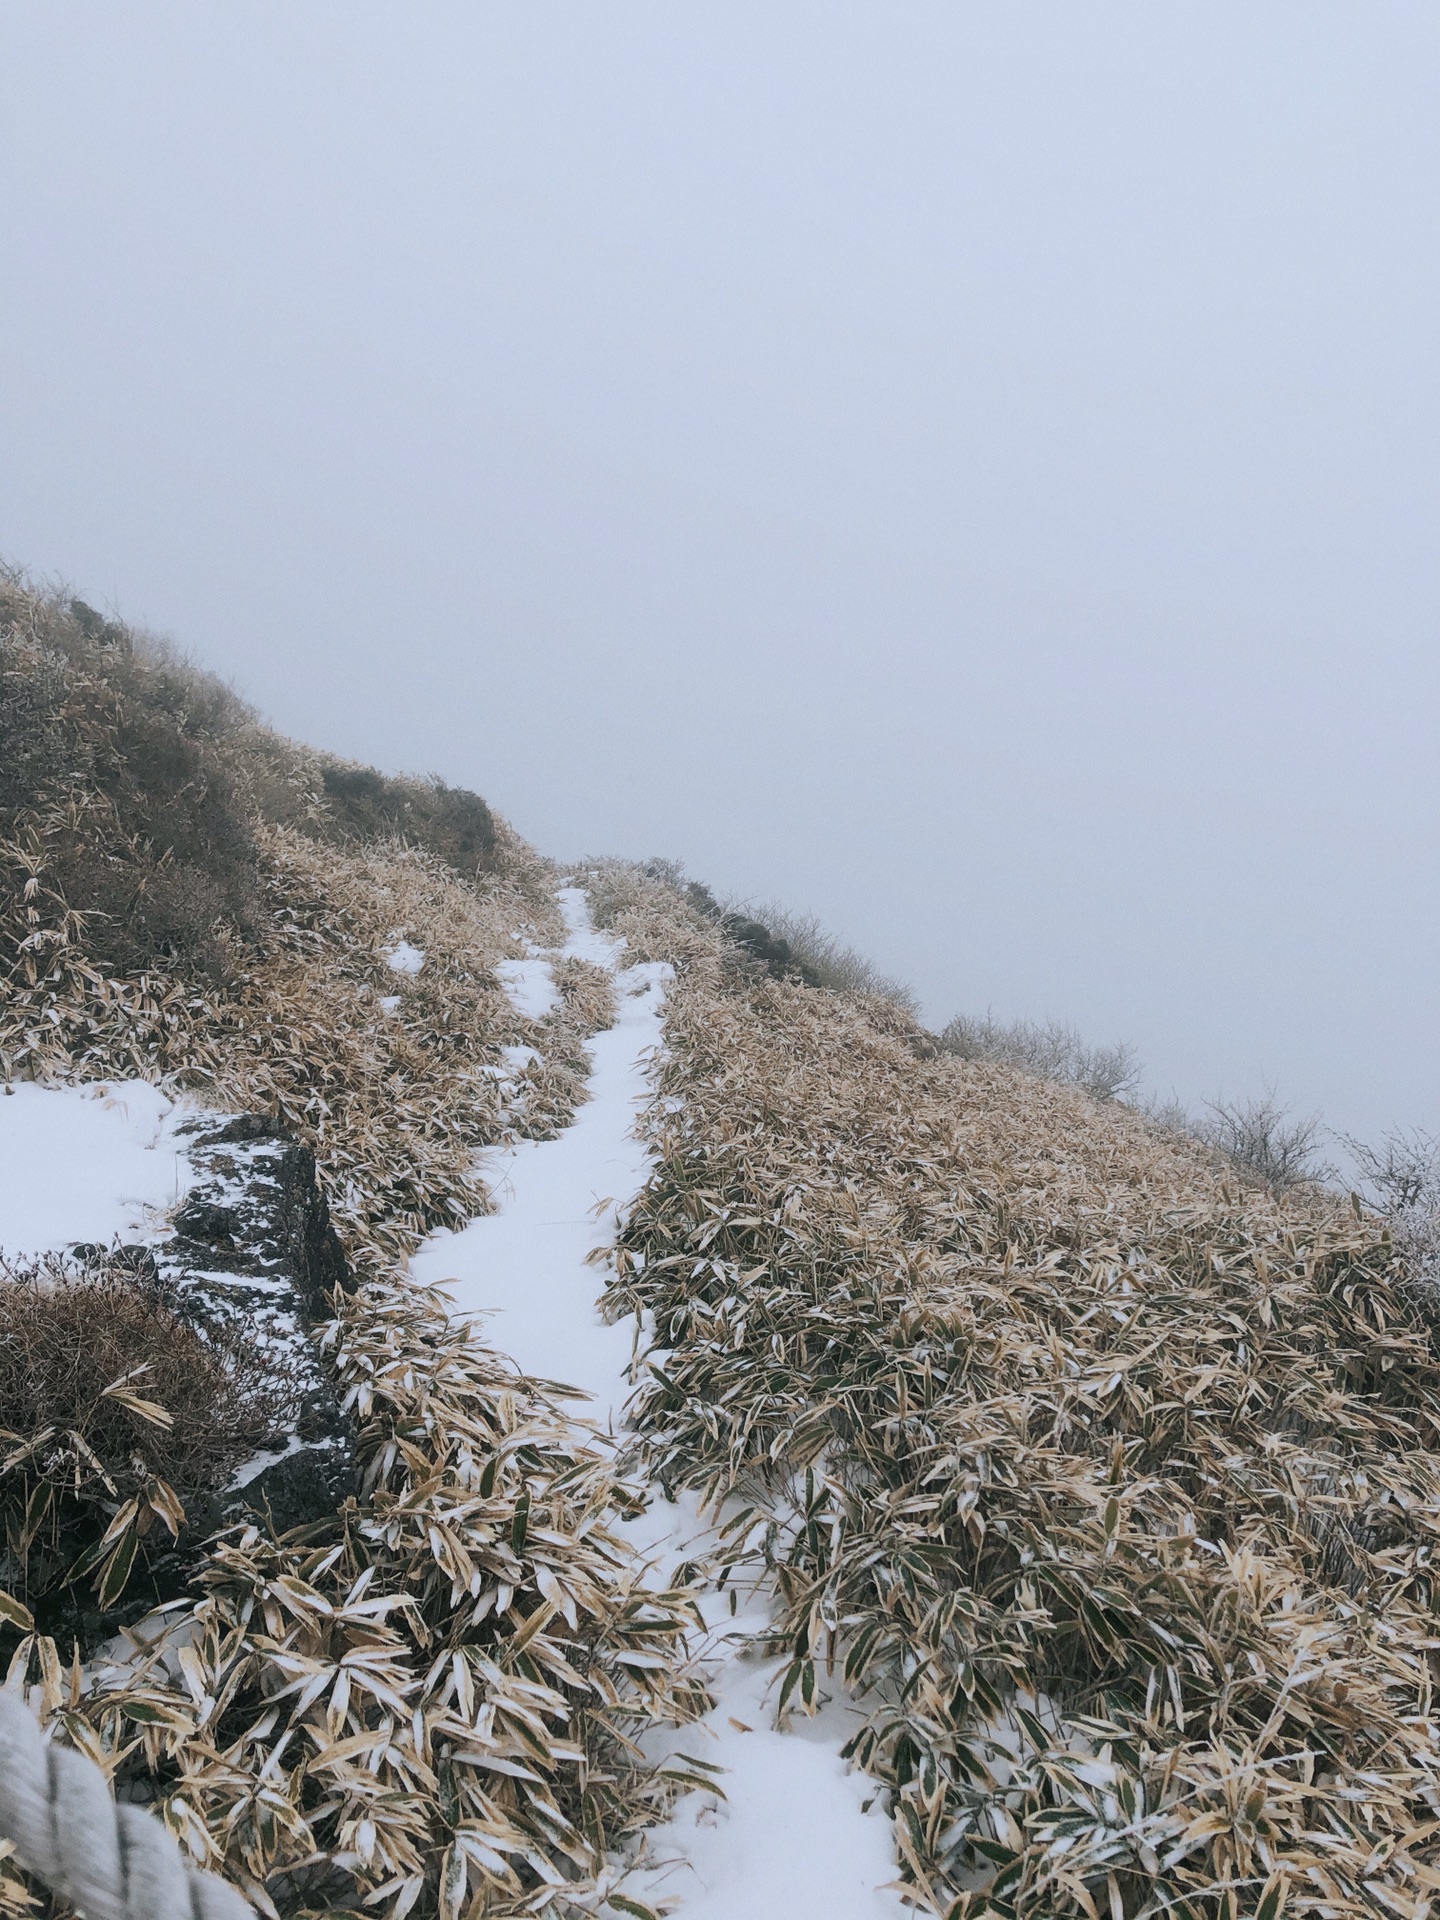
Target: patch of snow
{"x": 248, "y": 1282}
{"x": 520, "y": 1057}
{"x": 258, "y": 1462}
{"x": 530, "y": 985}
{"x": 87, "y": 1163}
{"x": 585, "y": 941}
{"x": 403, "y": 958}
{"x": 792, "y": 1838}
{"x": 390, "y": 1003}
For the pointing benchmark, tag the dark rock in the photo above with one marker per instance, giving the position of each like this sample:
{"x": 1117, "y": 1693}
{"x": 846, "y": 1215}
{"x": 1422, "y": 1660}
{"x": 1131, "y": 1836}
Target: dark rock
{"x": 139, "y": 1261}
{"x": 253, "y": 1254}
{"x": 202, "y": 1220}
{"x": 300, "y": 1487}
{"x": 254, "y": 1248}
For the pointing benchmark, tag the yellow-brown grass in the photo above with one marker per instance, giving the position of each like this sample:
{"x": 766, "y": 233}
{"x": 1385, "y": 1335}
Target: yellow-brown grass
{"x": 1110, "y": 1489}
{"x": 424, "y": 1703}
{"x": 394, "y": 1102}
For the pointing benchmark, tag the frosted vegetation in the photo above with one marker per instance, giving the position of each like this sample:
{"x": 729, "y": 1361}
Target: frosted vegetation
{"x": 1053, "y": 1050}
{"x": 954, "y": 1418}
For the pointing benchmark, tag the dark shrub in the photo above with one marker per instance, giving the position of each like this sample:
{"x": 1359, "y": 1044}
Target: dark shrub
{"x": 111, "y": 1401}
{"x": 752, "y": 936}
{"x": 774, "y": 955}
{"x": 39, "y": 758}
{"x": 113, "y": 771}
{"x": 450, "y": 822}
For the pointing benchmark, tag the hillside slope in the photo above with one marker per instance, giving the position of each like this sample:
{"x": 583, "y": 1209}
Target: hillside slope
{"x": 1091, "y": 1492}
{"x": 1108, "y": 1486}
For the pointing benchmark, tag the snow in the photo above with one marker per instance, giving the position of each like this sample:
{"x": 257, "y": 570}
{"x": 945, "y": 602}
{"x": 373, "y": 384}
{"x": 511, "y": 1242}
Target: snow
{"x": 87, "y": 1163}
{"x": 530, "y": 985}
{"x": 403, "y": 958}
{"x": 525, "y": 1265}
{"x": 791, "y": 1839}
{"x": 259, "y": 1462}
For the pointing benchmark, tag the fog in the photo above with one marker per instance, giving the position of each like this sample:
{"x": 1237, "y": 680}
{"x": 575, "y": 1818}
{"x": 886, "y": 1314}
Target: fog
{"x": 970, "y": 472}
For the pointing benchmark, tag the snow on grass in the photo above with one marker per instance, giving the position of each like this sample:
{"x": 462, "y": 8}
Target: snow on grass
{"x": 530, "y": 985}
{"x": 403, "y": 958}
{"x": 792, "y": 1838}
{"x": 87, "y": 1163}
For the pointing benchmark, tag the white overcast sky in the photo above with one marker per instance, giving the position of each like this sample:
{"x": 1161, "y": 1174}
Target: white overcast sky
{"x": 969, "y": 470}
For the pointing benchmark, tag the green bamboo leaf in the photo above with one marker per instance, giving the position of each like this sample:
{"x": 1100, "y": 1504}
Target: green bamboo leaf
{"x": 116, "y": 1571}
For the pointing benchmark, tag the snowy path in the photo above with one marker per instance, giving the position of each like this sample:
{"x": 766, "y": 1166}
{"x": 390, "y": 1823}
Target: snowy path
{"x": 793, "y": 1839}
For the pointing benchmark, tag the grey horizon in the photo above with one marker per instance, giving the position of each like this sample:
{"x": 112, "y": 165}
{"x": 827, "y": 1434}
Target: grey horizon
{"x": 971, "y": 474}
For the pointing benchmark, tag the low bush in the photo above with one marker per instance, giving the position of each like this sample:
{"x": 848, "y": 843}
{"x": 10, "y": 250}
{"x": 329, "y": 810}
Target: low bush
{"x": 116, "y": 796}
{"x": 1050, "y": 1049}
{"x": 825, "y": 960}
{"x": 450, "y": 822}
{"x": 788, "y": 945}
{"x": 133, "y": 787}
{"x": 117, "y": 1412}
{"x": 1401, "y": 1180}
{"x": 1402, "y": 1174}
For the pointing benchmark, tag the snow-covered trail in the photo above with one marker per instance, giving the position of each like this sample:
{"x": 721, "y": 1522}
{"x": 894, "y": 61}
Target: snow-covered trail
{"x": 795, "y": 1837}
{"x": 525, "y": 1265}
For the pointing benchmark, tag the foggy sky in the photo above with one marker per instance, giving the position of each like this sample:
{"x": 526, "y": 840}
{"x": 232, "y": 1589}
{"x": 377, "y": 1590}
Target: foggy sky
{"x": 970, "y": 471}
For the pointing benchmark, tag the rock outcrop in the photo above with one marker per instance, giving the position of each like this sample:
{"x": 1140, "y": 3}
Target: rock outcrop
{"x": 253, "y": 1245}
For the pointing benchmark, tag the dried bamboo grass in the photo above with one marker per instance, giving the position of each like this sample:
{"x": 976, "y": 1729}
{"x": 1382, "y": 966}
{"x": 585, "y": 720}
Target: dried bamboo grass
{"x": 394, "y": 1101}
{"x": 427, "y": 1705}
{"x": 1112, "y": 1490}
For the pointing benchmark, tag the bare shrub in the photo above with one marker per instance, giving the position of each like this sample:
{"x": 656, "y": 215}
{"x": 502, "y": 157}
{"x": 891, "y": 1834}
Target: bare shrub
{"x": 1260, "y": 1138}
{"x": 1402, "y": 1174}
{"x": 1050, "y": 1049}
{"x": 1171, "y": 1116}
{"x": 1401, "y": 1179}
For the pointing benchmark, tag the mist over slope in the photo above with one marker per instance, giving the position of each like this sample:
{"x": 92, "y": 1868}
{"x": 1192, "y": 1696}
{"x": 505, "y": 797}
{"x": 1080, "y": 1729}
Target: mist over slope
{"x": 1091, "y": 1484}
